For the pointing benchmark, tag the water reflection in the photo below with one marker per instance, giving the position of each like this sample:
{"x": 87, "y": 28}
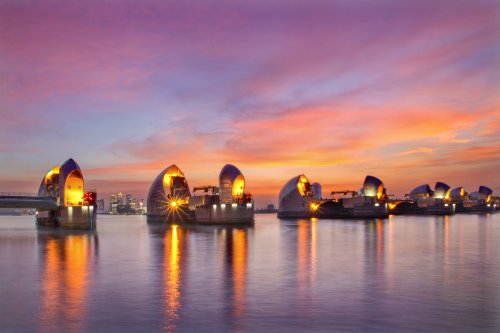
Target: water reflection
{"x": 66, "y": 265}
{"x": 172, "y": 256}
{"x": 428, "y": 274}
{"x": 442, "y": 245}
{"x": 306, "y": 257}
{"x": 374, "y": 247}
{"x": 375, "y": 284}
{"x": 301, "y": 237}
{"x": 234, "y": 245}
{"x": 173, "y": 247}
{"x": 173, "y": 240}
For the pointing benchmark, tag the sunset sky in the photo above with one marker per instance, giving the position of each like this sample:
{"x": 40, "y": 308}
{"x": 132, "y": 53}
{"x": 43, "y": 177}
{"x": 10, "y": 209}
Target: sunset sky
{"x": 408, "y": 91}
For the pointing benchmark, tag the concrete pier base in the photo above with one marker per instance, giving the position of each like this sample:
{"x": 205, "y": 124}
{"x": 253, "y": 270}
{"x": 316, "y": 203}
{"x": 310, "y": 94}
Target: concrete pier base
{"x": 77, "y": 217}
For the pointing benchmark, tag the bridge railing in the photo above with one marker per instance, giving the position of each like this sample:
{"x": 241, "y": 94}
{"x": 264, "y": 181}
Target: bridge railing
{"x": 18, "y": 194}
{"x": 21, "y": 195}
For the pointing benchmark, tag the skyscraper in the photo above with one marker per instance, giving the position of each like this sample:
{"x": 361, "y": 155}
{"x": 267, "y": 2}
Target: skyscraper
{"x": 113, "y": 203}
{"x": 100, "y": 205}
{"x": 119, "y": 197}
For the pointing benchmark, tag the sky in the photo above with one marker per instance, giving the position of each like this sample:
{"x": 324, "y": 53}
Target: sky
{"x": 408, "y": 91}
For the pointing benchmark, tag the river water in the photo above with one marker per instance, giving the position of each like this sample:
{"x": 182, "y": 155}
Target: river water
{"x": 402, "y": 274}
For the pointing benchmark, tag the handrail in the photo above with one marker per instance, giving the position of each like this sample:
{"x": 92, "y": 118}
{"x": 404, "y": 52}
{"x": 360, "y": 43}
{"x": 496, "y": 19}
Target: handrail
{"x": 18, "y": 194}
{"x": 21, "y": 195}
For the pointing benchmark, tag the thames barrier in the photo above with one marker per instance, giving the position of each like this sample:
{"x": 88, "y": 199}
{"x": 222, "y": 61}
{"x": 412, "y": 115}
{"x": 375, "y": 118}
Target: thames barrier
{"x": 61, "y": 200}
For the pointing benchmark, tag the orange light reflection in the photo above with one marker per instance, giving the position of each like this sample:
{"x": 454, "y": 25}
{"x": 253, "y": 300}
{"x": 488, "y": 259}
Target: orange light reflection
{"x": 172, "y": 272}
{"x": 64, "y": 283}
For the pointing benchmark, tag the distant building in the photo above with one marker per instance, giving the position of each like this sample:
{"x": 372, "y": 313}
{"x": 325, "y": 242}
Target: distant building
{"x": 113, "y": 203}
{"x": 100, "y": 206}
{"x": 119, "y": 198}
{"x": 141, "y": 208}
{"x": 316, "y": 189}
{"x": 269, "y": 209}
{"x": 122, "y": 209}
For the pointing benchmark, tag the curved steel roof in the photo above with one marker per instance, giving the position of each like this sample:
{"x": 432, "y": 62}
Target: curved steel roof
{"x": 457, "y": 192}
{"x": 422, "y": 189}
{"x": 371, "y": 186}
{"x": 229, "y": 171}
{"x": 291, "y": 186}
{"x": 159, "y": 191}
{"x": 485, "y": 190}
{"x": 69, "y": 166}
{"x": 441, "y": 190}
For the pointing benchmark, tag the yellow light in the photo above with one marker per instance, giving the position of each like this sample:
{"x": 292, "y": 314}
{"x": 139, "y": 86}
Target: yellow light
{"x": 173, "y": 204}
{"x": 392, "y": 206}
{"x": 73, "y": 193}
{"x": 167, "y": 180}
{"x": 314, "y": 206}
{"x": 238, "y": 186}
{"x": 301, "y": 184}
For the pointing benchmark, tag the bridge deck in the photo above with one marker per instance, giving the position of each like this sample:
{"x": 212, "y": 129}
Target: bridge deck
{"x": 26, "y": 201}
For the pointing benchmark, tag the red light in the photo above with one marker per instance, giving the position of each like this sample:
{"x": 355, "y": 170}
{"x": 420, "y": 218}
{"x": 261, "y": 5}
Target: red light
{"x": 90, "y": 198}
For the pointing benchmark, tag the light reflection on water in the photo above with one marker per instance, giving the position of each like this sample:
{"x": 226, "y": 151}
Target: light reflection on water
{"x": 65, "y": 266}
{"x": 412, "y": 274}
{"x": 172, "y": 274}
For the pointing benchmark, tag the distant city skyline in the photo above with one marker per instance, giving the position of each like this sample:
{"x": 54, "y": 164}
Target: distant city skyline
{"x": 405, "y": 91}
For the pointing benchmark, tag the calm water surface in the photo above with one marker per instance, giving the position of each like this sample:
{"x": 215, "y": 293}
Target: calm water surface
{"x": 403, "y": 274}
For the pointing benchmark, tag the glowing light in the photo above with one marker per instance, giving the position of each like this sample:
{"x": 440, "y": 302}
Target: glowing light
{"x": 302, "y": 184}
{"x": 73, "y": 192}
{"x": 392, "y": 206}
{"x": 172, "y": 171}
{"x": 249, "y": 205}
{"x": 238, "y": 186}
{"x": 173, "y": 206}
{"x": 314, "y": 206}
{"x": 446, "y": 205}
{"x": 377, "y": 204}
{"x": 54, "y": 171}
